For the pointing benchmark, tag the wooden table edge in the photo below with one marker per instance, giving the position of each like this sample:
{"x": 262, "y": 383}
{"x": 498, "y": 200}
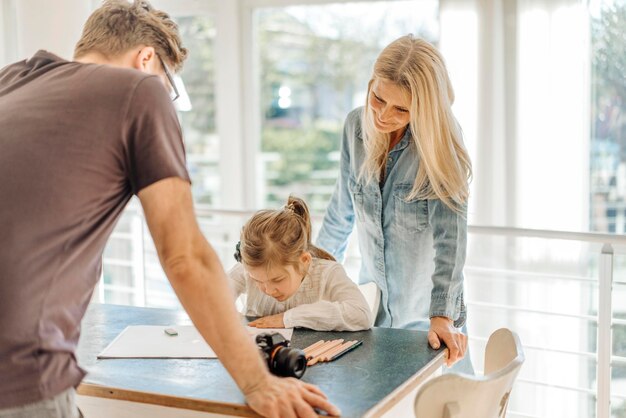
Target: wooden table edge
{"x": 180, "y": 402}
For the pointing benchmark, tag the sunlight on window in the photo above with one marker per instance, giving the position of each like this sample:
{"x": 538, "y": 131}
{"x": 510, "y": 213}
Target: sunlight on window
{"x": 459, "y": 46}
{"x": 552, "y": 117}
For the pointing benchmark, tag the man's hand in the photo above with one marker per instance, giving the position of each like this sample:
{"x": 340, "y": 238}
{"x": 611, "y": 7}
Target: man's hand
{"x": 272, "y": 321}
{"x": 288, "y": 398}
{"x": 443, "y": 329}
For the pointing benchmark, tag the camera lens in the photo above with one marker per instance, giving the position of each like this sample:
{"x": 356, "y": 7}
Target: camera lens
{"x": 289, "y": 362}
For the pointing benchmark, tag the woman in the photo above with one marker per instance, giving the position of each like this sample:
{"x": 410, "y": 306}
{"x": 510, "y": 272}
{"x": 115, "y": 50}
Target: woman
{"x": 404, "y": 176}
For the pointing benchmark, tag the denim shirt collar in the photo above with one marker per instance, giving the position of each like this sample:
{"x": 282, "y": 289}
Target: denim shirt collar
{"x": 404, "y": 142}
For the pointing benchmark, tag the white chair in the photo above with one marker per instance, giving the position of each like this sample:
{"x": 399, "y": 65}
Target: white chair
{"x": 372, "y": 296}
{"x": 465, "y": 396}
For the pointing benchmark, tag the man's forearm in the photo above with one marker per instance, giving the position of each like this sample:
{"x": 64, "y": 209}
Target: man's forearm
{"x": 201, "y": 285}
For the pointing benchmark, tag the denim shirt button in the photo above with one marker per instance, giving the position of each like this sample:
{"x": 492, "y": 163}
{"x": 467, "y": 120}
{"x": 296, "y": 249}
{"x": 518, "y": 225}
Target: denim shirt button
{"x": 389, "y": 160}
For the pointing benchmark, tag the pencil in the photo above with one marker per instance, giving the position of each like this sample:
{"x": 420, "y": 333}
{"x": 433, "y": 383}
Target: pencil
{"x": 312, "y": 346}
{"x": 341, "y": 353}
{"x": 330, "y": 353}
{"x": 324, "y": 347}
{"x": 319, "y": 349}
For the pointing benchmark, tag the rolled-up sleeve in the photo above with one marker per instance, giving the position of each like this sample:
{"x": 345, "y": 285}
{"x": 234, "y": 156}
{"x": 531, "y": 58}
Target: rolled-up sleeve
{"x": 450, "y": 244}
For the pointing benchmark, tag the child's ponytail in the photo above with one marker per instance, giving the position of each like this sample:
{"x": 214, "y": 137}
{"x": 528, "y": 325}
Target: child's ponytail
{"x": 279, "y": 236}
{"x": 299, "y": 207}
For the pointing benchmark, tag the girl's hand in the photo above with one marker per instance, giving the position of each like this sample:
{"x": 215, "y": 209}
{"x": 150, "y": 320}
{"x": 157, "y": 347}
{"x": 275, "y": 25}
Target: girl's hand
{"x": 443, "y": 329}
{"x": 272, "y": 321}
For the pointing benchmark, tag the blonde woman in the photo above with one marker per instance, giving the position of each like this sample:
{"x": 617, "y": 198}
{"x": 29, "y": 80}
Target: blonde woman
{"x": 403, "y": 180}
{"x": 288, "y": 282}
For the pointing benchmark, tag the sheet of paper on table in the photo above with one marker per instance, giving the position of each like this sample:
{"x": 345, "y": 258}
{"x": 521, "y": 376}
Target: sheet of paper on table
{"x": 151, "y": 341}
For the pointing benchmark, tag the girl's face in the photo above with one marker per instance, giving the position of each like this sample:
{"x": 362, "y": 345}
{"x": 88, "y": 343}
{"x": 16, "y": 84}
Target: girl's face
{"x": 280, "y": 282}
{"x": 390, "y": 105}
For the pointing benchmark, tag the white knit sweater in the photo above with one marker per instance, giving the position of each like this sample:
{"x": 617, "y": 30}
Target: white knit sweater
{"x": 327, "y": 299}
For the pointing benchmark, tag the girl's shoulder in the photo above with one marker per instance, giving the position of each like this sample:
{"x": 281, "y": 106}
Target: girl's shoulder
{"x": 237, "y": 271}
{"x": 326, "y": 269}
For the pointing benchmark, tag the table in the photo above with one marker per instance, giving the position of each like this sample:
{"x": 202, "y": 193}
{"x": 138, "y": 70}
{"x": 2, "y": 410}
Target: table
{"x": 368, "y": 382}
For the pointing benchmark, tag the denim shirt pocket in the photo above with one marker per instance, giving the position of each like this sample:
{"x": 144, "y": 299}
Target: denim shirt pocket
{"x": 410, "y": 215}
{"x": 358, "y": 199}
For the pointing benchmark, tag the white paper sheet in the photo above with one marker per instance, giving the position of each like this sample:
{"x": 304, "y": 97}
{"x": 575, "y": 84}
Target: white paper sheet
{"x": 151, "y": 341}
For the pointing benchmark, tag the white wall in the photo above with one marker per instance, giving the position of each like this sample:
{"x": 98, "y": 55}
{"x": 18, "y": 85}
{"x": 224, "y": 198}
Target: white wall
{"x": 51, "y": 25}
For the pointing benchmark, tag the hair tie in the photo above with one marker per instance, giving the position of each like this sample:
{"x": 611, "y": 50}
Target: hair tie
{"x": 237, "y": 254}
{"x": 290, "y": 207}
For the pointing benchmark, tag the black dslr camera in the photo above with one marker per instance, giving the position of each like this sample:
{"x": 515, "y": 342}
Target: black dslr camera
{"x": 281, "y": 359}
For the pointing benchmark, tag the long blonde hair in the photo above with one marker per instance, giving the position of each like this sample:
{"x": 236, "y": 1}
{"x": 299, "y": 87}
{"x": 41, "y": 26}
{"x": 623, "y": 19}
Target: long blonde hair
{"x": 279, "y": 237}
{"x": 445, "y": 168}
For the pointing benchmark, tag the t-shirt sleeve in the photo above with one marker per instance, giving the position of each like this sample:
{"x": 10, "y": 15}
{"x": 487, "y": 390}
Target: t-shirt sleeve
{"x": 154, "y": 149}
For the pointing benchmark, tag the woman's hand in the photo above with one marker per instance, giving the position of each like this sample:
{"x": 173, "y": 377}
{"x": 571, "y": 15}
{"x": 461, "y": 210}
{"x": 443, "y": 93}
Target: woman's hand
{"x": 443, "y": 329}
{"x": 272, "y": 321}
{"x": 288, "y": 397}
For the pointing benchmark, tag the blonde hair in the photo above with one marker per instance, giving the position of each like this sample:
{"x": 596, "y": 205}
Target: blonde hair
{"x": 118, "y": 26}
{"x": 445, "y": 168}
{"x": 279, "y": 237}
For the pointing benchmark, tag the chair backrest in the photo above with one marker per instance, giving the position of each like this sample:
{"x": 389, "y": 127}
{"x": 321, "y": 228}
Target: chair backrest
{"x": 372, "y": 295}
{"x": 466, "y": 396}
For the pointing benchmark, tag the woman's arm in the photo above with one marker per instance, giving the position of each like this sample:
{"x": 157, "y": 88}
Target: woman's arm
{"x": 342, "y": 306}
{"x": 339, "y": 218}
{"x": 447, "y": 310}
{"x": 450, "y": 244}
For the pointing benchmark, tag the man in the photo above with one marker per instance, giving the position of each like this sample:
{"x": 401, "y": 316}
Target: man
{"x": 77, "y": 140}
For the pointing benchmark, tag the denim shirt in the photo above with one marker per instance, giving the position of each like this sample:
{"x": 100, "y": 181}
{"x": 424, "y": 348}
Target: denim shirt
{"x": 413, "y": 250}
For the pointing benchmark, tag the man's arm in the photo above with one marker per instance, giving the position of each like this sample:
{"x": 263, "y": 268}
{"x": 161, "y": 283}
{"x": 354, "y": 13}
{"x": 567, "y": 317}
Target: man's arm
{"x": 200, "y": 283}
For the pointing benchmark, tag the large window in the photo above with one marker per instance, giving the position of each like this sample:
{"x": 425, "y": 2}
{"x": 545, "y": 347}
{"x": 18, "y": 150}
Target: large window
{"x": 197, "y": 111}
{"x": 608, "y": 113}
{"x": 608, "y": 159}
{"x": 132, "y": 273}
{"x": 315, "y": 63}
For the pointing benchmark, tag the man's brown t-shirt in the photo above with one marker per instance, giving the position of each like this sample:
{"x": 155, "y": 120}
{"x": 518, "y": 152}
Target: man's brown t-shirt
{"x": 76, "y": 142}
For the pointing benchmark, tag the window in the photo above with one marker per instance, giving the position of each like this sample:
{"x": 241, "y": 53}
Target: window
{"x": 315, "y": 63}
{"x": 132, "y": 273}
{"x": 608, "y": 117}
{"x": 197, "y": 110}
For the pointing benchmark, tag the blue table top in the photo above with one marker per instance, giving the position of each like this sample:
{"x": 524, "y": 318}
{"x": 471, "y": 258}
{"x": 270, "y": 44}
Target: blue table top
{"x": 355, "y": 382}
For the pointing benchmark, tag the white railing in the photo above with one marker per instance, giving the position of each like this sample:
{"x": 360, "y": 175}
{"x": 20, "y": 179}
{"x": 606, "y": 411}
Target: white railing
{"x": 223, "y": 236}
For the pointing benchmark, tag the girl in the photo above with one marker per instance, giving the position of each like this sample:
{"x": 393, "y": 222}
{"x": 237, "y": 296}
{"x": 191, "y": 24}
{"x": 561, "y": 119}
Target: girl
{"x": 289, "y": 282}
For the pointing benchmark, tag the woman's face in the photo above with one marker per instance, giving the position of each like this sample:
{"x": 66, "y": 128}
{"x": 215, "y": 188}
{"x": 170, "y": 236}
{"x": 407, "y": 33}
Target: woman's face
{"x": 390, "y": 105}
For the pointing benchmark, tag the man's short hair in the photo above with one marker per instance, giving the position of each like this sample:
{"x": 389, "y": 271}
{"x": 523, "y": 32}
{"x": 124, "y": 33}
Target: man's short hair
{"x": 118, "y": 26}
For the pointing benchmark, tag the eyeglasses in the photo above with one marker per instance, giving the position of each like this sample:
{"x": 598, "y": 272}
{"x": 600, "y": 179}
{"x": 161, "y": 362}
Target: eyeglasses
{"x": 174, "y": 92}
